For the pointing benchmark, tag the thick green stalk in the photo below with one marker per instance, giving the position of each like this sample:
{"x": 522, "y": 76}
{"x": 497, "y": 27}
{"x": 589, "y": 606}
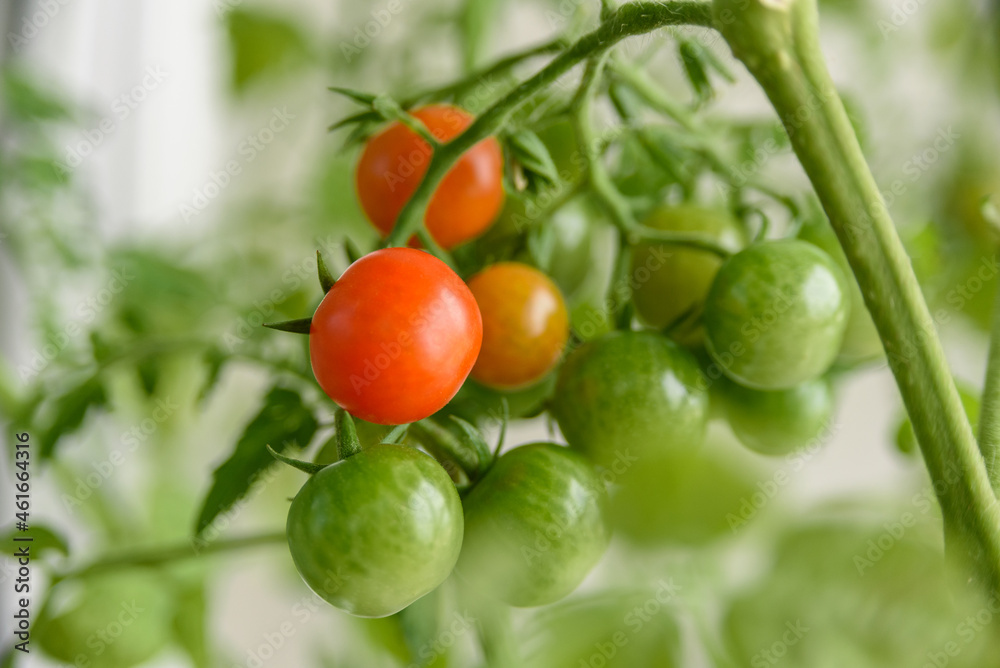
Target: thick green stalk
{"x": 778, "y": 42}
{"x": 989, "y": 414}
{"x": 632, "y": 19}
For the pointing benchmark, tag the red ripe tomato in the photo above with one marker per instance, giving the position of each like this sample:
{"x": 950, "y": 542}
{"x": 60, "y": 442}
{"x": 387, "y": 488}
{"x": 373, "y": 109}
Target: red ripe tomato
{"x": 394, "y": 161}
{"x": 395, "y": 337}
{"x": 525, "y": 325}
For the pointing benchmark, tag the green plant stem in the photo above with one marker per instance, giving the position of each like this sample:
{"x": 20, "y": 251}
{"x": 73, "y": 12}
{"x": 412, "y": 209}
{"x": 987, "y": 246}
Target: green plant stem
{"x": 163, "y": 555}
{"x": 589, "y": 144}
{"x": 498, "y": 68}
{"x": 778, "y": 42}
{"x": 989, "y": 414}
{"x": 632, "y": 19}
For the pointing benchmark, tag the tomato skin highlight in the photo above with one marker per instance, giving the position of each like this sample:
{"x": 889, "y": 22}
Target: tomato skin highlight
{"x": 396, "y": 336}
{"x": 525, "y": 325}
{"x": 627, "y": 396}
{"x": 393, "y": 163}
{"x": 373, "y": 533}
{"x": 535, "y": 525}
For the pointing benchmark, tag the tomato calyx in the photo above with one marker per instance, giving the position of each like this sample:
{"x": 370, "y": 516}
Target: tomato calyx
{"x": 326, "y": 279}
{"x": 296, "y": 326}
{"x": 348, "y": 443}
{"x": 458, "y": 444}
{"x": 306, "y": 467}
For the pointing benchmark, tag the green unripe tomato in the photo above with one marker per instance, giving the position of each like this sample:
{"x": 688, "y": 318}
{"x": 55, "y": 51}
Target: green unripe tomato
{"x": 375, "y": 532}
{"x": 559, "y": 138}
{"x": 631, "y": 394}
{"x": 776, "y": 314}
{"x": 580, "y": 239}
{"x": 672, "y": 280}
{"x": 861, "y": 340}
{"x": 121, "y": 620}
{"x": 777, "y": 422}
{"x": 534, "y": 525}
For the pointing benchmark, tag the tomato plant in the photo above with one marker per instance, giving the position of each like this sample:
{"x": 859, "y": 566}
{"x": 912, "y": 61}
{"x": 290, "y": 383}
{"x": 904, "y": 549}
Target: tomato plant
{"x": 396, "y": 336}
{"x": 618, "y": 318}
{"x": 525, "y": 325}
{"x": 535, "y": 525}
{"x": 376, "y": 531}
{"x": 776, "y": 314}
{"x": 394, "y": 161}
{"x": 628, "y": 395}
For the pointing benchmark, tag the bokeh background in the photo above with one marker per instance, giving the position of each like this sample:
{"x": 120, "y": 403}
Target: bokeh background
{"x": 143, "y": 237}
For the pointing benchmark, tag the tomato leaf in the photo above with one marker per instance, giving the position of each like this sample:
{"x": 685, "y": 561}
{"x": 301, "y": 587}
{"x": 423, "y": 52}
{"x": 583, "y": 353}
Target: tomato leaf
{"x": 533, "y": 156}
{"x": 396, "y": 435}
{"x": 262, "y": 44}
{"x": 68, "y": 412}
{"x": 284, "y": 420}
{"x": 42, "y": 538}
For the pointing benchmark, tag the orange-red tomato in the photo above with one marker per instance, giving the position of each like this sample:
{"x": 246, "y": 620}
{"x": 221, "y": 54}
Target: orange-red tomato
{"x": 525, "y": 325}
{"x": 395, "y": 337}
{"x": 394, "y": 161}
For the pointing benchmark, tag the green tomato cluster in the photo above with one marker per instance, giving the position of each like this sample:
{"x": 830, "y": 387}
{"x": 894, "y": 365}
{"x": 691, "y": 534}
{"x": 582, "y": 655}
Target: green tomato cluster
{"x": 375, "y": 532}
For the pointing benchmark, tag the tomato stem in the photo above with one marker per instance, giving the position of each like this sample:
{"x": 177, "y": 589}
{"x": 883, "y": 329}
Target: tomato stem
{"x": 779, "y": 44}
{"x": 348, "y": 443}
{"x": 631, "y": 19}
{"x": 163, "y": 555}
{"x": 989, "y": 414}
{"x": 589, "y": 146}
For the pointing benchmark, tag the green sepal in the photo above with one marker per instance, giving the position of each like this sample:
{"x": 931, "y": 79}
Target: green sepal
{"x": 307, "y": 467}
{"x": 300, "y": 326}
{"x": 326, "y": 279}
{"x": 396, "y": 435}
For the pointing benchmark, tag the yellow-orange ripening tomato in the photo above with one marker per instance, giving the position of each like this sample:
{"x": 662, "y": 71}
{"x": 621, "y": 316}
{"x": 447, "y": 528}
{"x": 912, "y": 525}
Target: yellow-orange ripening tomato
{"x": 525, "y": 325}
{"x": 394, "y": 161}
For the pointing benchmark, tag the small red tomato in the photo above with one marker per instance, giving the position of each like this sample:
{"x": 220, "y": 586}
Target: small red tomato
{"x": 395, "y": 337}
{"x": 394, "y": 161}
{"x": 525, "y": 325}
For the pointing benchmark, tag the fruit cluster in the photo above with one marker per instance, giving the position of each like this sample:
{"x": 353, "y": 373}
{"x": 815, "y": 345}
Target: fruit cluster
{"x": 747, "y": 330}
